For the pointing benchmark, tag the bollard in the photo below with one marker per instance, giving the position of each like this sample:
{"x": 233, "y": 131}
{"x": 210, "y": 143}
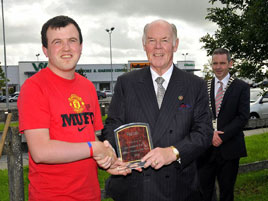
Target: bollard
{"x": 15, "y": 165}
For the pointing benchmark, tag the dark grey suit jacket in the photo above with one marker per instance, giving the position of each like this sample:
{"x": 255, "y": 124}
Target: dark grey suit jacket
{"x": 182, "y": 122}
{"x": 232, "y": 118}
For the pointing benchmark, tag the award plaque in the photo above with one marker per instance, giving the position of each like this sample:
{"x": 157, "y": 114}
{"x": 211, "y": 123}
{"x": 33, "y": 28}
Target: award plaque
{"x": 133, "y": 141}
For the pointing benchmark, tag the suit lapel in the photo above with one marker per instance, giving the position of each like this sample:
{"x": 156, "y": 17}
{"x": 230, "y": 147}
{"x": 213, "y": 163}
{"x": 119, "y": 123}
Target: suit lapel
{"x": 226, "y": 94}
{"x": 212, "y": 97}
{"x": 169, "y": 104}
{"x": 225, "y": 97}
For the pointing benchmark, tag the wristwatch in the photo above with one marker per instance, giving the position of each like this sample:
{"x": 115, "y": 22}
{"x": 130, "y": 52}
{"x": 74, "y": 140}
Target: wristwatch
{"x": 176, "y": 152}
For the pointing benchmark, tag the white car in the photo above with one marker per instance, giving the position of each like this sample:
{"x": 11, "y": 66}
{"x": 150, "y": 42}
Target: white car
{"x": 258, "y": 103}
{"x": 13, "y": 98}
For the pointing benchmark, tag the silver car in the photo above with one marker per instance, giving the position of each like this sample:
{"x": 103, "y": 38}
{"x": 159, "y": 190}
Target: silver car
{"x": 108, "y": 93}
{"x": 258, "y": 103}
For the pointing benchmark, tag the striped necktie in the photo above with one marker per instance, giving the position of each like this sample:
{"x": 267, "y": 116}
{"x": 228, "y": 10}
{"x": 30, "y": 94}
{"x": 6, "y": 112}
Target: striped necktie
{"x": 218, "y": 99}
{"x": 160, "y": 90}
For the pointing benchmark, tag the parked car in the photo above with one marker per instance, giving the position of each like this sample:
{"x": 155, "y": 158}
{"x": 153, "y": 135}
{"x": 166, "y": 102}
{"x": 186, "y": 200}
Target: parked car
{"x": 108, "y": 93}
{"x": 2, "y": 98}
{"x": 101, "y": 95}
{"x": 258, "y": 103}
{"x": 15, "y": 93}
{"x": 13, "y": 98}
{"x": 260, "y": 84}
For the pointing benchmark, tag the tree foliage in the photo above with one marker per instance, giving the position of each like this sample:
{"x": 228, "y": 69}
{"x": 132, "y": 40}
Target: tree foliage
{"x": 207, "y": 71}
{"x": 243, "y": 29}
{"x": 82, "y": 72}
{"x": 2, "y": 79}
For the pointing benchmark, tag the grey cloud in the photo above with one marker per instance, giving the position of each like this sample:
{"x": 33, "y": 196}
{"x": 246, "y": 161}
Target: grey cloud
{"x": 104, "y": 14}
{"x": 22, "y": 35}
{"x": 189, "y": 10}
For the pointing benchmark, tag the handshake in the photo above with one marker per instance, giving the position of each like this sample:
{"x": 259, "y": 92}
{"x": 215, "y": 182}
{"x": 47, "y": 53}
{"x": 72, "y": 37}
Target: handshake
{"x": 106, "y": 158}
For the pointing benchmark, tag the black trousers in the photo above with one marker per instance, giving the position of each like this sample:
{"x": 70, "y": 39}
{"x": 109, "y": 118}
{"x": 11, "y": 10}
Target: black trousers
{"x": 225, "y": 171}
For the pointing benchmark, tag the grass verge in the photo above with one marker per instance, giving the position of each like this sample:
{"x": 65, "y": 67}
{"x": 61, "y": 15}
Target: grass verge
{"x": 256, "y": 148}
{"x": 12, "y": 124}
{"x": 4, "y": 192}
{"x": 251, "y": 186}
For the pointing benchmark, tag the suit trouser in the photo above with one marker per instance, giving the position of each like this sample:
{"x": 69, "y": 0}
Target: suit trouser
{"x": 225, "y": 171}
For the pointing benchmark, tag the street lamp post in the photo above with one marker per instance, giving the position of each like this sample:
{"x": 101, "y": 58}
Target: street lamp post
{"x": 185, "y": 54}
{"x": 109, "y": 31}
{"x": 5, "y": 60}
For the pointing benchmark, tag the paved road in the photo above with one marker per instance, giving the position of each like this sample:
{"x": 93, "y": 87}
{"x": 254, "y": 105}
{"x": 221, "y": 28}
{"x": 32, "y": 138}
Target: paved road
{"x": 255, "y": 131}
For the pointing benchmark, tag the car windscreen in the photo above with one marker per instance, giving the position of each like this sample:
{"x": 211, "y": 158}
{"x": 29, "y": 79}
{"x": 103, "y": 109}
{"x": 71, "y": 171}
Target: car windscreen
{"x": 254, "y": 95}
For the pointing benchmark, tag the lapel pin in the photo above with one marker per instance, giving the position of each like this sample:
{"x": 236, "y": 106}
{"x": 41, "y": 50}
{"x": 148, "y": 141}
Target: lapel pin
{"x": 180, "y": 98}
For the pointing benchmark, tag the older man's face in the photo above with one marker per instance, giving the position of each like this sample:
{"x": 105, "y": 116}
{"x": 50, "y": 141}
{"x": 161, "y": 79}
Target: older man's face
{"x": 159, "y": 46}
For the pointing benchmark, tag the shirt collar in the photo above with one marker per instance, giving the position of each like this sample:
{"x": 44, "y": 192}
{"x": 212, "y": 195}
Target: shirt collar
{"x": 224, "y": 80}
{"x": 166, "y": 75}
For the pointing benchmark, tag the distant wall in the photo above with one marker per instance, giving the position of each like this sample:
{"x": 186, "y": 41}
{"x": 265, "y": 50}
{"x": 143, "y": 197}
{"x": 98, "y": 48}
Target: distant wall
{"x": 14, "y": 112}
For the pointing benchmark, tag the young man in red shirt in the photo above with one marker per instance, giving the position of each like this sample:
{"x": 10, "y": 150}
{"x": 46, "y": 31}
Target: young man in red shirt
{"x": 59, "y": 114}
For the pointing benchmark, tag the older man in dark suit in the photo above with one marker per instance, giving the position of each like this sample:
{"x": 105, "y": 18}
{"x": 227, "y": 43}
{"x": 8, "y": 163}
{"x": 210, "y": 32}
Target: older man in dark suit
{"x": 229, "y": 103}
{"x": 175, "y": 105}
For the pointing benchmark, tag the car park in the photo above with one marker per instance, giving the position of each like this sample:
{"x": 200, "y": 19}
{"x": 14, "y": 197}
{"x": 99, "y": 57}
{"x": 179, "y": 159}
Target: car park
{"x": 258, "y": 103}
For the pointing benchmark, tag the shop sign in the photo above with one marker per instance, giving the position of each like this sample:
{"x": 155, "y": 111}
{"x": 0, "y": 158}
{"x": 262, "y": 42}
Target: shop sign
{"x": 40, "y": 66}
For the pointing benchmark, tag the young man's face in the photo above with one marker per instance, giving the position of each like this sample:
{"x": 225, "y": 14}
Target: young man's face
{"x": 220, "y": 65}
{"x": 159, "y": 46}
{"x": 63, "y": 50}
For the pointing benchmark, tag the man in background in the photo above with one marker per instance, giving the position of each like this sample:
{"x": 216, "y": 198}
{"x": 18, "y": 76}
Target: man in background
{"x": 229, "y": 103}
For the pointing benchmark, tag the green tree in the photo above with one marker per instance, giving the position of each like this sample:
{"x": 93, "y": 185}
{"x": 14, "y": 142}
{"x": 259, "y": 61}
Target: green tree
{"x": 242, "y": 28}
{"x": 2, "y": 79}
{"x": 207, "y": 71}
{"x": 82, "y": 72}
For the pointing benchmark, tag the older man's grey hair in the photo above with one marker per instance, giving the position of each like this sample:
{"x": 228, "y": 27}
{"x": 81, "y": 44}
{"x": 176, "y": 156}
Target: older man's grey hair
{"x": 174, "y": 33}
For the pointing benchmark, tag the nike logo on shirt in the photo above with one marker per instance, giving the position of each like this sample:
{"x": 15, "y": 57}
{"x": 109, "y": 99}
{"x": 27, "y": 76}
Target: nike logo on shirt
{"x": 80, "y": 129}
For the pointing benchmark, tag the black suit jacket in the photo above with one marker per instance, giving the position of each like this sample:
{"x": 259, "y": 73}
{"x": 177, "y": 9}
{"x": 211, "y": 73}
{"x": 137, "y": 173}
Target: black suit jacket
{"x": 232, "y": 118}
{"x": 182, "y": 122}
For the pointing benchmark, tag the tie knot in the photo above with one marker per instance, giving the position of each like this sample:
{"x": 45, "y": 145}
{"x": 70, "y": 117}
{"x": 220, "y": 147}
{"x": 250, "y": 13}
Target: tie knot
{"x": 220, "y": 82}
{"x": 159, "y": 80}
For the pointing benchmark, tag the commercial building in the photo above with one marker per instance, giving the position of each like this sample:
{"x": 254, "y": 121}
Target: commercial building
{"x": 102, "y": 75}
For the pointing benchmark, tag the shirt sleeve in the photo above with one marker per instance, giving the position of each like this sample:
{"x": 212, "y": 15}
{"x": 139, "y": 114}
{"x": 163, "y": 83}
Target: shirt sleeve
{"x": 33, "y": 107}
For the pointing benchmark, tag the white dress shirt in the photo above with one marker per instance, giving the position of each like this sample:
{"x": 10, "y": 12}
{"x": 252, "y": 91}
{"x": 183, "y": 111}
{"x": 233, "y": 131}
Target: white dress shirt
{"x": 224, "y": 82}
{"x": 166, "y": 76}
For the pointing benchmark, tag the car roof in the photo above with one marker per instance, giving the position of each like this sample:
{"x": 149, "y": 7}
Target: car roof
{"x": 258, "y": 89}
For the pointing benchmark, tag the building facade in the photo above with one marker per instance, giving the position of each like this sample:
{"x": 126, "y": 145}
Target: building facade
{"x": 102, "y": 75}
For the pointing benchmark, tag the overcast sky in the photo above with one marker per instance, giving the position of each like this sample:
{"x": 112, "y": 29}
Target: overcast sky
{"x": 24, "y": 19}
